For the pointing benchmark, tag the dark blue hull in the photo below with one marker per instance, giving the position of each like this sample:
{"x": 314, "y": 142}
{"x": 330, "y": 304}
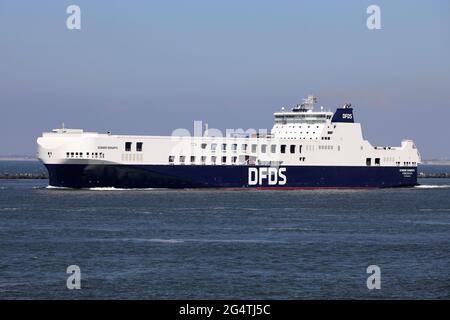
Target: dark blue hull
{"x": 208, "y": 176}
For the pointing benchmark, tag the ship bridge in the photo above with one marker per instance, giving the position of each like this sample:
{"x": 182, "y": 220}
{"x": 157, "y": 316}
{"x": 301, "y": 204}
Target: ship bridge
{"x": 302, "y": 122}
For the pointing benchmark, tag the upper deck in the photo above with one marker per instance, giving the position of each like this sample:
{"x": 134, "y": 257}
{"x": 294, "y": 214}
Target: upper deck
{"x": 303, "y": 123}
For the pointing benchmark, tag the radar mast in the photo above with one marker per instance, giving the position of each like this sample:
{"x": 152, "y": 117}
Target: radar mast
{"x": 307, "y": 104}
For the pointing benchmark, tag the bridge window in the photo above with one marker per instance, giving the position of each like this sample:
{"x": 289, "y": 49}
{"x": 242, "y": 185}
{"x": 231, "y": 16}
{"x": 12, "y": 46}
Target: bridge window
{"x": 368, "y": 161}
{"x": 254, "y": 146}
{"x": 377, "y": 161}
{"x": 203, "y": 146}
{"x": 171, "y": 159}
{"x": 233, "y": 160}
{"x": 224, "y": 160}
{"x": 192, "y": 159}
{"x": 139, "y": 146}
{"x": 213, "y": 159}
{"x": 244, "y": 147}
{"x": 224, "y": 147}
{"x": 283, "y": 148}
{"x": 292, "y": 148}
{"x": 127, "y": 146}
{"x": 300, "y": 149}
{"x": 182, "y": 159}
{"x": 234, "y": 147}
{"x": 203, "y": 158}
{"x": 67, "y": 154}
{"x": 213, "y": 147}
{"x": 273, "y": 148}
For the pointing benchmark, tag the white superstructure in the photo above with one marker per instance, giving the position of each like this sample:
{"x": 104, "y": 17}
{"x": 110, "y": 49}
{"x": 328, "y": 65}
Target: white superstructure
{"x": 299, "y": 137}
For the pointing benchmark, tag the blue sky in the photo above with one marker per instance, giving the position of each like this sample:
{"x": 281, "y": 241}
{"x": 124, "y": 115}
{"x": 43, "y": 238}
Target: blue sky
{"x": 148, "y": 67}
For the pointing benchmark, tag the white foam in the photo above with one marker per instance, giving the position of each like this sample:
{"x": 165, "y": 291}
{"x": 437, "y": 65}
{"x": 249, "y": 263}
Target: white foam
{"x": 124, "y": 189}
{"x": 106, "y": 189}
{"x": 165, "y": 240}
{"x": 433, "y": 186}
{"x": 438, "y": 223}
{"x": 288, "y": 229}
{"x": 177, "y": 241}
{"x": 201, "y": 240}
{"x": 232, "y": 241}
{"x": 56, "y": 188}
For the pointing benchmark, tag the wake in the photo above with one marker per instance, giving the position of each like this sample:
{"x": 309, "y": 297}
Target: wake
{"x": 432, "y": 186}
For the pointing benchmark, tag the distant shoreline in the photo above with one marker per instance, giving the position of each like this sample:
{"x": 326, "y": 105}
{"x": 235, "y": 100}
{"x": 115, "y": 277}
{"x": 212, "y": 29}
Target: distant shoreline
{"x": 436, "y": 162}
{"x": 18, "y": 159}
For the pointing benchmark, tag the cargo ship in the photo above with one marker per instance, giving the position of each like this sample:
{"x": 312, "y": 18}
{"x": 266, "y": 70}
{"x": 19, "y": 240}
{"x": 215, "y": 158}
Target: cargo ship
{"x": 306, "y": 148}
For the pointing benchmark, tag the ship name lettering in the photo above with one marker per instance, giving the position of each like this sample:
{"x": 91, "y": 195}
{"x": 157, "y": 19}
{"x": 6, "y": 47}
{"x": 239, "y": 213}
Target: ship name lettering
{"x": 267, "y": 175}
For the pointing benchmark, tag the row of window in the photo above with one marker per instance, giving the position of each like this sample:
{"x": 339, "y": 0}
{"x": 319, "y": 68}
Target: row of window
{"x": 264, "y": 148}
{"x": 128, "y": 146}
{"x": 369, "y": 161}
{"x": 299, "y": 126}
{"x": 182, "y": 159}
{"x": 286, "y": 121}
{"x": 406, "y": 163}
{"x": 132, "y": 156}
{"x": 326, "y": 147}
{"x": 301, "y": 138}
{"x": 224, "y": 159}
{"x": 89, "y": 155}
{"x": 377, "y": 162}
{"x": 295, "y": 132}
